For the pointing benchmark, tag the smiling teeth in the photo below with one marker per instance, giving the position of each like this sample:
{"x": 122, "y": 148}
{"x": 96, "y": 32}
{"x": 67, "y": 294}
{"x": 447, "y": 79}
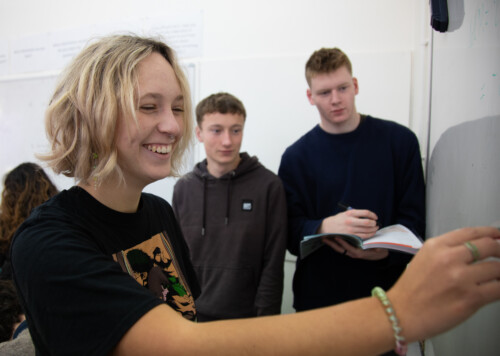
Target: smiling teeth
{"x": 160, "y": 149}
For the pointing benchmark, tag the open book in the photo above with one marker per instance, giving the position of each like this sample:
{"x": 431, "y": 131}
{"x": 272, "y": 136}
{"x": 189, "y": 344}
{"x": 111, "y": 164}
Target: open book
{"x": 395, "y": 237}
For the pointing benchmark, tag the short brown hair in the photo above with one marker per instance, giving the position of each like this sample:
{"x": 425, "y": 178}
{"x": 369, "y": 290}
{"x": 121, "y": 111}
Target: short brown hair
{"x": 223, "y": 103}
{"x": 326, "y": 60}
{"x": 95, "y": 88}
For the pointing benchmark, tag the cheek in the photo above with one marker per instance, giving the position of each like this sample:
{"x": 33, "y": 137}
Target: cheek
{"x": 210, "y": 143}
{"x": 181, "y": 125}
{"x": 238, "y": 139}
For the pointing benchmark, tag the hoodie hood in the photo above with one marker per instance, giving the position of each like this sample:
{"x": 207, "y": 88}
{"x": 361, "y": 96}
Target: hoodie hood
{"x": 247, "y": 164}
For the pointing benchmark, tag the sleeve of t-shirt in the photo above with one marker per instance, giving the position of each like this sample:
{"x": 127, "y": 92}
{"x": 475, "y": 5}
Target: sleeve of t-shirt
{"x": 78, "y": 301}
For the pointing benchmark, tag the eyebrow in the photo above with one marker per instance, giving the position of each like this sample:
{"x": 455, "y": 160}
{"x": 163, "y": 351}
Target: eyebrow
{"x": 329, "y": 88}
{"x": 179, "y": 97}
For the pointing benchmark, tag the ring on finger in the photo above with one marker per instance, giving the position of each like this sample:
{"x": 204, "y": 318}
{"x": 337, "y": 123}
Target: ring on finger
{"x": 473, "y": 251}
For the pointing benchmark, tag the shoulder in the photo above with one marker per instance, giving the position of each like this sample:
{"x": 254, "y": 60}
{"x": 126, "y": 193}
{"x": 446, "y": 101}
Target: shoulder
{"x": 389, "y": 126}
{"x": 186, "y": 180}
{"x": 187, "y": 185}
{"x": 305, "y": 138}
{"x": 392, "y": 131}
{"x": 265, "y": 177}
{"x": 152, "y": 202}
{"x": 303, "y": 146}
{"x": 252, "y": 169}
{"x": 53, "y": 217}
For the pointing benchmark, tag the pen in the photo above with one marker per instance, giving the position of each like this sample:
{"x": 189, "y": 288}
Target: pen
{"x": 343, "y": 206}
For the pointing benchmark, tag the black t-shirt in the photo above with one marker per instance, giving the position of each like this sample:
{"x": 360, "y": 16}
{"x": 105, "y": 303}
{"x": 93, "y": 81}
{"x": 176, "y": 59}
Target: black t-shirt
{"x": 73, "y": 260}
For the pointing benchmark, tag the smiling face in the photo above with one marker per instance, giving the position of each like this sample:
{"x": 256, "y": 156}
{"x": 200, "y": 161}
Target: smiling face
{"x": 221, "y": 135}
{"x": 333, "y": 94}
{"x": 144, "y": 150}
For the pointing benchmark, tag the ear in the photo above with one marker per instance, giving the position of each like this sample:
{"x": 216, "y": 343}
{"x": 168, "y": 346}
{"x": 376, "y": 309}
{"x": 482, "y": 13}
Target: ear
{"x": 309, "y": 96}
{"x": 356, "y": 86}
{"x": 198, "y": 133}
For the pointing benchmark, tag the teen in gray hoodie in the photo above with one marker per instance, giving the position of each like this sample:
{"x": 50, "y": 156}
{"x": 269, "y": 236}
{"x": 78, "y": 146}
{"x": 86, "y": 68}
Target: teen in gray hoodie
{"x": 232, "y": 212}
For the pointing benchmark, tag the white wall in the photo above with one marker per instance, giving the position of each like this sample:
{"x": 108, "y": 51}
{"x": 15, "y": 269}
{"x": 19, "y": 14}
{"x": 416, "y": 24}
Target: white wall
{"x": 257, "y": 50}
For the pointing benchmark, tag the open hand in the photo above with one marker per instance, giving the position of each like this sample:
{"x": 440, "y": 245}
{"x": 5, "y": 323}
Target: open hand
{"x": 444, "y": 285}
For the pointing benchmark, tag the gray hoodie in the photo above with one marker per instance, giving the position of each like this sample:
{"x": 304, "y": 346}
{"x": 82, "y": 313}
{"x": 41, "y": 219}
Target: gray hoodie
{"x": 235, "y": 227}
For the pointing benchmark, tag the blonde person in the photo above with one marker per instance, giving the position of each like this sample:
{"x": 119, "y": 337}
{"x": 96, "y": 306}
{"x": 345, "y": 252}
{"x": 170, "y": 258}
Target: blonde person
{"x": 93, "y": 282}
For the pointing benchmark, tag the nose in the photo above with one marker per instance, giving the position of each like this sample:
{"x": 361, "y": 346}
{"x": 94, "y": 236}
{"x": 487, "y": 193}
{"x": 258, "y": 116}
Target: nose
{"x": 170, "y": 123}
{"x": 335, "y": 97}
{"x": 226, "y": 138}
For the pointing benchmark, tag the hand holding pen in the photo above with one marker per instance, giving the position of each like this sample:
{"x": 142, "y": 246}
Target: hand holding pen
{"x": 348, "y": 207}
{"x": 359, "y": 222}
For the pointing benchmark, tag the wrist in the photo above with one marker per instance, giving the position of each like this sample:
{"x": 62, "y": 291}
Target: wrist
{"x": 401, "y": 346}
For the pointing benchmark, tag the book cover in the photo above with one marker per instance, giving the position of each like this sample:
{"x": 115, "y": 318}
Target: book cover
{"x": 395, "y": 237}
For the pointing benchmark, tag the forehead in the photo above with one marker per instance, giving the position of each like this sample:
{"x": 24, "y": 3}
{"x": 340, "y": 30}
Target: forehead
{"x": 225, "y": 120}
{"x": 331, "y": 79}
{"x": 156, "y": 76}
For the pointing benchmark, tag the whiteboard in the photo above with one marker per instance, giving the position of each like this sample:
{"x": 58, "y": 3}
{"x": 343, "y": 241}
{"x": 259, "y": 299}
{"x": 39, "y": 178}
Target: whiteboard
{"x": 463, "y": 175}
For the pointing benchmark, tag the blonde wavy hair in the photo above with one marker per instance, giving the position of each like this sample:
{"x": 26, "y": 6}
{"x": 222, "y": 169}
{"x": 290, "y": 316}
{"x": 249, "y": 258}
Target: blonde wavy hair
{"x": 99, "y": 84}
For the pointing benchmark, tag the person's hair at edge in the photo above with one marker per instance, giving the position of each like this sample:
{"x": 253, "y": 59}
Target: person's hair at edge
{"x": 25, "y": 187}
{"x": 223, "y": 103}
{"x": 326, "y": 60}
{"x": 10, "y": 310}
{"x": 99, "y": 85}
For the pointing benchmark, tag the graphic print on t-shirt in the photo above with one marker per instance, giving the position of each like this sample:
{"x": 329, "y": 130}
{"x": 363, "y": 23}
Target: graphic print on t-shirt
{"x": 152, "y": 263}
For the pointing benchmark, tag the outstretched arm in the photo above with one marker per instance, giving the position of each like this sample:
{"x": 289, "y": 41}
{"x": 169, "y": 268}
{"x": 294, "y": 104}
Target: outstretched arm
{"x": 441, "y": 288}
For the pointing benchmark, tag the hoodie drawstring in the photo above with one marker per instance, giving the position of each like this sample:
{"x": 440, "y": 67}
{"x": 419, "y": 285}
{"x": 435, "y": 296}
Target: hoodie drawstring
{"x": 204, "y": 218}
{"x": 228, "y": 201}
{"x": 228, "y": 197}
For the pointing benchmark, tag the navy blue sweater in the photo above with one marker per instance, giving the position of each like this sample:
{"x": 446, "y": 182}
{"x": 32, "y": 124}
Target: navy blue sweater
{"x": 377, "y": 167}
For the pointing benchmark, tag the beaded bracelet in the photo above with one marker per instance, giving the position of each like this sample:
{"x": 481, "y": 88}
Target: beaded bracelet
{"x": 401, "y": 346}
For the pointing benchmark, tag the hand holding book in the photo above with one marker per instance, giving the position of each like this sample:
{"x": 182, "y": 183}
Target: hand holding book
{"x": 395, "y": 237}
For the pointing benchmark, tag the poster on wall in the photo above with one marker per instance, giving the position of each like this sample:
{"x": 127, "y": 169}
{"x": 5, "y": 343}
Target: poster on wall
{"x": 46, "y": 53}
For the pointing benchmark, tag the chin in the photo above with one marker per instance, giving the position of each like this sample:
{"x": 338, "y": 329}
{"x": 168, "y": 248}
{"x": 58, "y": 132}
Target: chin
{"x": 159, "y": 175}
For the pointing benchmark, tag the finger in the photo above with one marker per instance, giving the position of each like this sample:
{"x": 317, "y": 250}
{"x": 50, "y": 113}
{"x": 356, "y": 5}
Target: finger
{"x": 333, "y": 244}
{"x": 361, "y": 225}
{"x": 362, "y": 214}
{"x": 485, "y": 272}
{"x": 479, "y": 249}
{"x": 460, "y": 236}
{"x": 489, "y": 291}
{"x": 345, "y": 245}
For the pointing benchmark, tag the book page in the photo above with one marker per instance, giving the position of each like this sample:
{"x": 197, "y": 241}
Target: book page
{"x": 395, "y": 235}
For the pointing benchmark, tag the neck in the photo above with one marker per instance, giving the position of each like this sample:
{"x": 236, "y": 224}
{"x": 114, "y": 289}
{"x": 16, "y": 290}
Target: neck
{"x": 114, "y": 195}
{"x": 218, "y": 170}
{"x": 345, "y": 127}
